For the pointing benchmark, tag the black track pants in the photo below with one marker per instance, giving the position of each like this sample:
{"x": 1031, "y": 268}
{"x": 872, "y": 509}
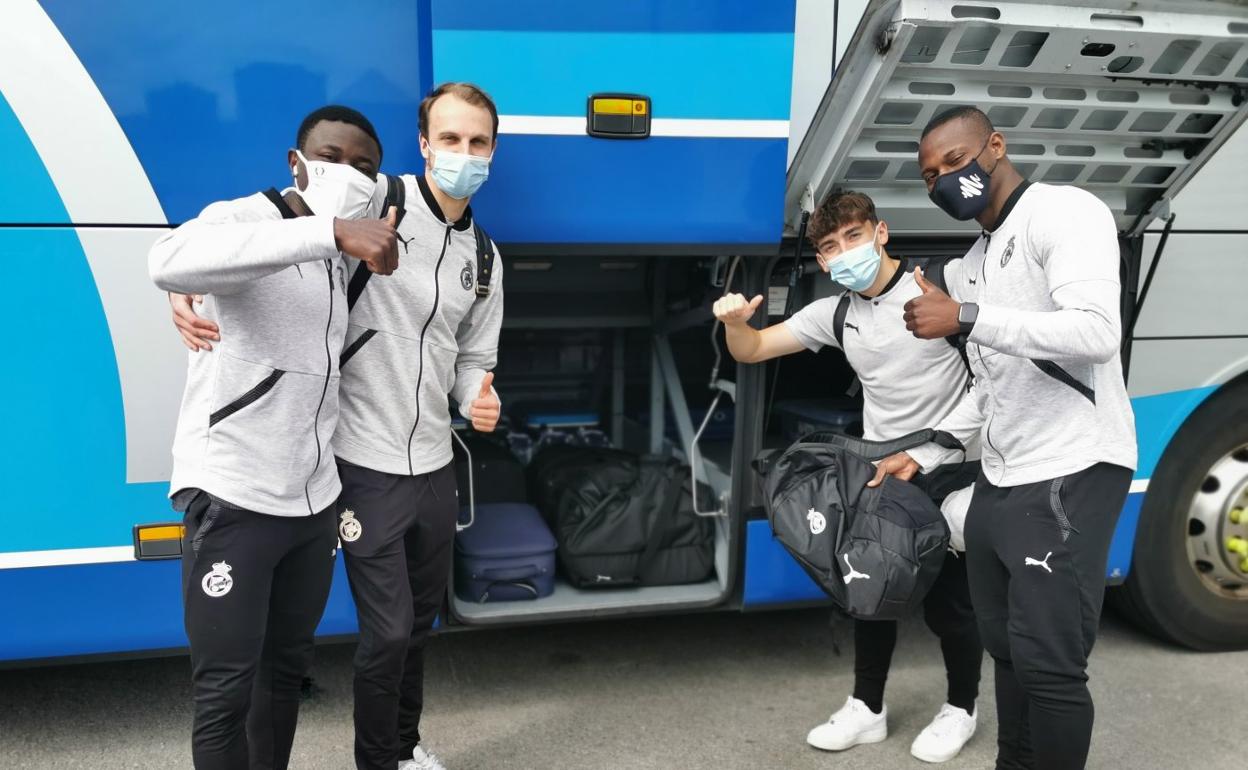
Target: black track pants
{"x": 254, "y": 587}
{"x": 1036, "y": 557}
{"x": 948, "y": 613}
{"x": 398, "y": 567}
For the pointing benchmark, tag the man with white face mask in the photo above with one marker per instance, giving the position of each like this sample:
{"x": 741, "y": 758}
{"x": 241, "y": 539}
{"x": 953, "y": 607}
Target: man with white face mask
{"x": 253, "y": 465}
{"x": 908, "y": 385}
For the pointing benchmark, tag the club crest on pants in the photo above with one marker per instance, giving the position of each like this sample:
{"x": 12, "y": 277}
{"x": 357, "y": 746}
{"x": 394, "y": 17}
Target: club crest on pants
{"x": 218, "y": 582}
{"x": 349, "y": 528}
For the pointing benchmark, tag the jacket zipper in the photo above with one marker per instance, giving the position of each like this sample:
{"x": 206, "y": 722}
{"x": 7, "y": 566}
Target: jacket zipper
{"x": 979, "y": 351}
{"x": 420, "y": 369}
{"x": 329, "y": 367}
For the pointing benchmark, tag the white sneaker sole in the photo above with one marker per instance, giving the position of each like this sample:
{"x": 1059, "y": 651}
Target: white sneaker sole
{"x": 937, "y": 759}
{"x": 870, "y": 736}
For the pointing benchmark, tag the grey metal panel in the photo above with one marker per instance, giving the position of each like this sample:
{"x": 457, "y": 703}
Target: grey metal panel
{"x": 1200, "y": 288}
{"x": 1217, "y": 197}
{"x": 1164, "y": 366}
{"x": 1067, "y": 117}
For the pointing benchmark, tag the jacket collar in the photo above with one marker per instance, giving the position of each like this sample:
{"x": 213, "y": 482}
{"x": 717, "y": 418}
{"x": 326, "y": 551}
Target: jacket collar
{"x": 464, "y": 222}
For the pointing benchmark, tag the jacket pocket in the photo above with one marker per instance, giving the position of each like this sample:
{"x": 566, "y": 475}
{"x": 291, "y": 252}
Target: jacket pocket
{"x": 267, "y": 426}
{"x": 1059, "y": 510}
{"x": 247, "y": 399}
{"x": 359, "y": 342}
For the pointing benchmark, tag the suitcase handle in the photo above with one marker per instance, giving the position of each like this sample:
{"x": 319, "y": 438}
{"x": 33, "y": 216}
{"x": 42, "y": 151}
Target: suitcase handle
{"x": 510, "y": 573}
{"x": 485, "y": 595}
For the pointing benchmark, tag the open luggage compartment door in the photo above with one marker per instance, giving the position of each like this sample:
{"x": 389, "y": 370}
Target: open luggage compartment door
{"x": 1127, "y": 99}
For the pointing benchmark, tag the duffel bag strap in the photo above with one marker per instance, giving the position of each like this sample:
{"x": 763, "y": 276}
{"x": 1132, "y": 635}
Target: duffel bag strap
{"x": 878, "y": 450}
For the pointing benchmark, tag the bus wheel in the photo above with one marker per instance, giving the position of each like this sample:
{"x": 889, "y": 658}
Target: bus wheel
{"x": 1189, "y": 572}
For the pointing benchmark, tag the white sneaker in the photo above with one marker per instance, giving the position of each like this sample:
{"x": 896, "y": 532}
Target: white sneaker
{"x": 422, "y": 760}
{"x": 945, "y": 736}
{"x": 852, "y": 725}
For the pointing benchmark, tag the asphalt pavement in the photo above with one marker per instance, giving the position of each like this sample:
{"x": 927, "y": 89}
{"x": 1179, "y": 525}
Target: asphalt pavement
{"x": 694, "y": 691}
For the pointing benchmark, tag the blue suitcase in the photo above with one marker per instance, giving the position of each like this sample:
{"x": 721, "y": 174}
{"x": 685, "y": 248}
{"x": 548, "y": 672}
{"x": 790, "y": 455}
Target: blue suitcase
{"x": 507, "y": 554}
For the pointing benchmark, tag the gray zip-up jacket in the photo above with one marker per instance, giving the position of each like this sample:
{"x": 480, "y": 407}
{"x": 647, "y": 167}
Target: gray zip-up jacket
{"x": 260, "y": 408}
{"x": 415, "y": 338}
{"x": 1049, "y": 397}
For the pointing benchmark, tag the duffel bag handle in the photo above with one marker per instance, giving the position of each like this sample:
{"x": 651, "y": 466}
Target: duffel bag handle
{"x": 878, "y": 450}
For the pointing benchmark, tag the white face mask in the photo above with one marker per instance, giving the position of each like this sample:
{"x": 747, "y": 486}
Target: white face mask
{"x": 336, "y": 189}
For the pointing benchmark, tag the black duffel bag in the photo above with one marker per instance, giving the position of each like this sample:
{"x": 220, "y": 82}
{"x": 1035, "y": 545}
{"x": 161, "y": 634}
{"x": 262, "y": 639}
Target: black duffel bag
{"x": 875, "y": 551}
{"x": 621, "y": 520}
{"x": 497, "y": 476}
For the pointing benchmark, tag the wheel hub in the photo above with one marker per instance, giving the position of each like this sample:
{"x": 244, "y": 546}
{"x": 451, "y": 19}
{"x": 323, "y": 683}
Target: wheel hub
{"x": 1217, "y": 527}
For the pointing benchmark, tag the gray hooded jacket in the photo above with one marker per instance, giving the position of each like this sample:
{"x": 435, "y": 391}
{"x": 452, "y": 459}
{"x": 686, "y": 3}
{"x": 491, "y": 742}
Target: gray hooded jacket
{"x": 415, "y": 338}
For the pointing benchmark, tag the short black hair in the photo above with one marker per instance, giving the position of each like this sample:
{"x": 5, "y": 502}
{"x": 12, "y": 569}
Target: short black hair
{"x": 964, "y": 112}
{"x": 338, "y": 114}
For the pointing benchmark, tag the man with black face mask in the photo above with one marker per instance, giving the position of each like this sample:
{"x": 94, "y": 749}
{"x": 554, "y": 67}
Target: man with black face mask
{"x": 253, "y": 471}
{"x": 1041, "y": 311}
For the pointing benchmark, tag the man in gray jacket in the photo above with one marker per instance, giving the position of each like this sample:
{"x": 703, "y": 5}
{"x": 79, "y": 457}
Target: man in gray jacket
{"x": 1040, "y": 307}
{"x": 426, "y": 334}
{"x": 252, "y": 470}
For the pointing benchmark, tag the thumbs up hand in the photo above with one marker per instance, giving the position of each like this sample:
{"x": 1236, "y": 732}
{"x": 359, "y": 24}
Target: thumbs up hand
{"x": 485, "y": 408}
{"x": 933, "y": 313}
{"x": 734, "y": 309}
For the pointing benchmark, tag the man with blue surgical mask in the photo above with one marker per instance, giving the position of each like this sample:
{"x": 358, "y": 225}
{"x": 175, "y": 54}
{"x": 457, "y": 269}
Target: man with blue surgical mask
{"x": 427, "y": 334}
{"x": 908, "y": 385}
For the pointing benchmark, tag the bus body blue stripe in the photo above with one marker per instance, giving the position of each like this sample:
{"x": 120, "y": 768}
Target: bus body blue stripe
{"x": 686, "y": 75}
{"x": 633, "y": 16}
{"x": 91, "y": 609}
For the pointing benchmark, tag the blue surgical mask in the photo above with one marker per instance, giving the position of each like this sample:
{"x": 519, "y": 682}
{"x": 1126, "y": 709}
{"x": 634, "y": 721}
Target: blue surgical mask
{"x": 857, "y": 268}
{"x": 459, "y": 175}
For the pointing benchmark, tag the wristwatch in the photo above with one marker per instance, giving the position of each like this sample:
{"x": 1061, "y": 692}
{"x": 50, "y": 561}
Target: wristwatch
{"x": 967, "y": 313}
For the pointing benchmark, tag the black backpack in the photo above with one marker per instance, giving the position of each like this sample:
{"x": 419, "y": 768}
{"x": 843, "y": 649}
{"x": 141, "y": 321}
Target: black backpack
{"x": 934, "y": 272}
{"x": 875, "y": 551}
{"x": 396, "y": 195}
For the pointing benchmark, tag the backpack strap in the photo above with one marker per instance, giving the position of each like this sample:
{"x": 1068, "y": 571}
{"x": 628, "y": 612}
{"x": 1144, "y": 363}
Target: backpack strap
{"x": 396, "y": 195}
{"x": 838, "y": 320}
{"x": 485, "y": 260}
{"x": 280, "y": 203}
{"x": 934, "y": 272}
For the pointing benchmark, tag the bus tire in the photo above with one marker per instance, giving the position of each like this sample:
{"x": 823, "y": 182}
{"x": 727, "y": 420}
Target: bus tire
{"x": 1184, "y": 584}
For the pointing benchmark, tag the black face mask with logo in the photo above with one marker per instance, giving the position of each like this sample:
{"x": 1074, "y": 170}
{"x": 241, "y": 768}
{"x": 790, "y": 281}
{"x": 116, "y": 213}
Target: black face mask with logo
{"x": 963, "y": 194}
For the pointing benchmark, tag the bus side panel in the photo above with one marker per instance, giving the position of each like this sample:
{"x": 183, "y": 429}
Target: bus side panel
{"x": 118, "y": 607}
{"x": 214, "y": 100}
{"x": 771, "y": 574}
{"x": 718, "y": 75}
{"x": 1157, "y": 419}
{"x": 659, "y": 190}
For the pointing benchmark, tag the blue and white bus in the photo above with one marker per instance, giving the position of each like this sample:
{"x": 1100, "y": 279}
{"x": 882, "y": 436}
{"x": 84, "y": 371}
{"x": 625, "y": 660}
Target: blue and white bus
{"x": 119, "y": 123}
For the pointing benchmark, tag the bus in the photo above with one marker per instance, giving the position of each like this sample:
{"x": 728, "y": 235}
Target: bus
{"x": 119, "y": 124}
